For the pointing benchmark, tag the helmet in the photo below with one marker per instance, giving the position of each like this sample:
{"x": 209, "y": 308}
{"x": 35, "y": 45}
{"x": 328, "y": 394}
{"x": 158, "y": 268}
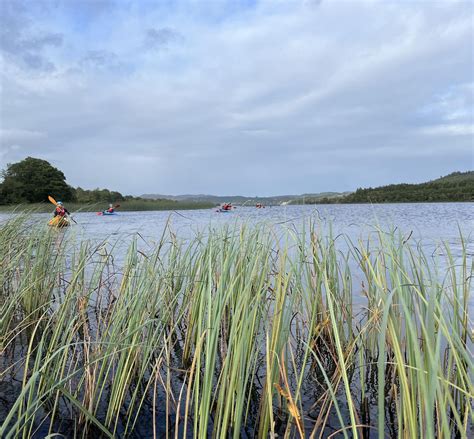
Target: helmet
{"x": 59, "y": 203}
{"x": 110, "y": 205}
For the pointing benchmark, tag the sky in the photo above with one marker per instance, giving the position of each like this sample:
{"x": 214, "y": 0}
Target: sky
{"x": 238, "y": 97}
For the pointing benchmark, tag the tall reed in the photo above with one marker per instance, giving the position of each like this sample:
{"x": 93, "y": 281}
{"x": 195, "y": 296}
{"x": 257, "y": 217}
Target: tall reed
{"x": 244, "y": 330}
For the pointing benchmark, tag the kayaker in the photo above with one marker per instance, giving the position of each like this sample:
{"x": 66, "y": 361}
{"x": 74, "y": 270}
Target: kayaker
{"x": 60, "y": 210}
{"x": 110, "y": 209}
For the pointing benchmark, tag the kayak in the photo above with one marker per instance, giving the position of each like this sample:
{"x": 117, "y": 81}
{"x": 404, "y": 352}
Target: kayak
{"x": 224, "y": 210}
{"x": 58, "y": 221}
{"x": 105, "y": 213}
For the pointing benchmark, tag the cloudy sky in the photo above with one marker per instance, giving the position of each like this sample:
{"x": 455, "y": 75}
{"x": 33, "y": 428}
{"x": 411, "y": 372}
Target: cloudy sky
{"x": 239, "y": 96}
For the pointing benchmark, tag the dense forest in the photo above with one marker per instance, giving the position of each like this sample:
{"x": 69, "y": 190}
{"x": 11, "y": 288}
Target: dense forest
{"x": 458, "y": 186}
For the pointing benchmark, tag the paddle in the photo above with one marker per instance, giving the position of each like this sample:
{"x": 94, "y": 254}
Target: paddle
{"x": 52, "y": 200}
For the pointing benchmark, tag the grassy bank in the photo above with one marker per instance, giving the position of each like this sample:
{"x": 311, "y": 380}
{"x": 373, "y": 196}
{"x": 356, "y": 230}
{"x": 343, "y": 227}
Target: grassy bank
{"x": 233, "y": 335}
{"x": 129, "y": 205}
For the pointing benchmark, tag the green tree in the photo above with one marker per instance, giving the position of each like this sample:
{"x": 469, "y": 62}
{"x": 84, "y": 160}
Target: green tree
{"x": 97, "y": 195}
{"x": 31, "y": 181}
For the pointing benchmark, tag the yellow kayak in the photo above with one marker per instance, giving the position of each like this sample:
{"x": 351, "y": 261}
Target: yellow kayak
{"x": 58, "y": 221}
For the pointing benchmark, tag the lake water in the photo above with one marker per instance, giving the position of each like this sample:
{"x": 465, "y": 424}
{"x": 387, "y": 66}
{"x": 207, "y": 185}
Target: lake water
{"x": 432, "y": 223}
{"x": 427, "y": 224}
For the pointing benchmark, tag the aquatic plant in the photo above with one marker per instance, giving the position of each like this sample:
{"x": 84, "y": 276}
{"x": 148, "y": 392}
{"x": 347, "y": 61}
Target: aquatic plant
{"x": 241, "y": 331}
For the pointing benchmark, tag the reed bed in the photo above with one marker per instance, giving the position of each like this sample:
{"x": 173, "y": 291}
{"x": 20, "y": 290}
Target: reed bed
{"x": 243, "y": 331}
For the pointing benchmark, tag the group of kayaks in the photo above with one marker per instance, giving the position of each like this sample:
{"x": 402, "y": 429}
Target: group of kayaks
{"x": 61, "y": 220}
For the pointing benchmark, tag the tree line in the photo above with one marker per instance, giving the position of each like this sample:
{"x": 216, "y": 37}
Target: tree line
{"x": 458, "y": 186}
{"x": 32, "y": 180}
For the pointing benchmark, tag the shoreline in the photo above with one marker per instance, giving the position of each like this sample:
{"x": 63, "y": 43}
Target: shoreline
{"x": 161, "y": 206}
{"x": 125, "y": 206}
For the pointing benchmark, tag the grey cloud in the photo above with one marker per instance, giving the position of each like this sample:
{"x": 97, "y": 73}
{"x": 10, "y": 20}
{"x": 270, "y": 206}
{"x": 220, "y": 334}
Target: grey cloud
{"x": 101, "y": 59}
{"x": 281, "y": 99}
{"x": 162, "y": 38}
{"x": 39, "y": 42}
{"x": 20, "y": 42}
{"x": 37, "y": 62}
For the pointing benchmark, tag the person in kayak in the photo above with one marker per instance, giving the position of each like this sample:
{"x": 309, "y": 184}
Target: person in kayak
{"x": 60, "y": 210}
{"x": 110, "y": 209}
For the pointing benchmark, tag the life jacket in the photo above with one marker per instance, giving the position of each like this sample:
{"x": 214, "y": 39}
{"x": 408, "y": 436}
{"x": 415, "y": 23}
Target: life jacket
{"x": 60, "y": 211}
{"x": 110, "y": 210}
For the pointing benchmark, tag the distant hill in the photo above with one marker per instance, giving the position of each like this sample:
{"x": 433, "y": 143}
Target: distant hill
{"x": 243, "y": 200}
{"x": 455, "y": 177}
{"x": 458, "y": 186}
{"x": 197, "y": 198}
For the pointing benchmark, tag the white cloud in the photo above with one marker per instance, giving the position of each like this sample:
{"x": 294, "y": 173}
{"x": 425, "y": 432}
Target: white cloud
{"x": 16, "y": 135}
{"x": 264, "y": 98}
{"x": 450, "y": 130}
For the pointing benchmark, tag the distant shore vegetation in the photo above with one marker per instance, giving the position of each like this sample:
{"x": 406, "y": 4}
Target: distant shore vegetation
{"x": 27, "y": 184}
{"x": 458, "y": 186}
{"x": 133, "y": 205}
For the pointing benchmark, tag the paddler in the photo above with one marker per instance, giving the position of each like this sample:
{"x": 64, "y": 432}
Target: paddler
{"x": 110, "y": 209}
{"x": 60, "y": 210}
